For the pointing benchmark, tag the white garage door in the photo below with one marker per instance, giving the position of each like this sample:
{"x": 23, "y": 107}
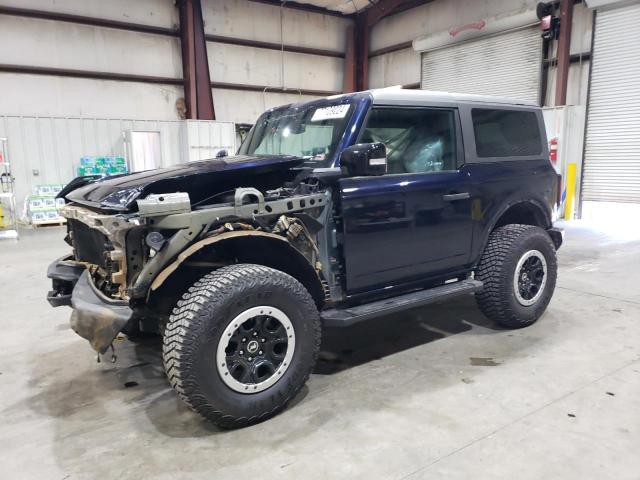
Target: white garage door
{"x": 506, "y": 64}
{"x": 612, "y": 154}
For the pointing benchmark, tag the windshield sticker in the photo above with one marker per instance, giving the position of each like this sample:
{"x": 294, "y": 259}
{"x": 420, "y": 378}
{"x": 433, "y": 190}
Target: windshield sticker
{"x": 329, "y": 113}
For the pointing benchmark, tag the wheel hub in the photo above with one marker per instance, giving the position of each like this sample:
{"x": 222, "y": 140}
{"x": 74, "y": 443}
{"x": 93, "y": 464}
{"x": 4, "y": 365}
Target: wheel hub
{"x": 252, "y": 347}
{"x": 530, "y": 277}
{"x": 255, "y": 349}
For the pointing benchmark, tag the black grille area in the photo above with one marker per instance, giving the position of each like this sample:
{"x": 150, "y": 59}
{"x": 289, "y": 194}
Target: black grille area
{"x": 89, "y": 244}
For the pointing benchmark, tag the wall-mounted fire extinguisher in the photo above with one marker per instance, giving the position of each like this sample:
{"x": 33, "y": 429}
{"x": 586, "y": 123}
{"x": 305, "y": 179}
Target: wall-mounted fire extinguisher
{"x": 553, "y": 150}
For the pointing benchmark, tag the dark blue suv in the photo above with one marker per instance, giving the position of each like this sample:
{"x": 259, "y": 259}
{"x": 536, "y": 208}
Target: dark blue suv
{"x": 333, "y": 212}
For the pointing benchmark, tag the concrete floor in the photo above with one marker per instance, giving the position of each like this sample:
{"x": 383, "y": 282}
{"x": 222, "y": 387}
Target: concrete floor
{"x": 435, "y": 392}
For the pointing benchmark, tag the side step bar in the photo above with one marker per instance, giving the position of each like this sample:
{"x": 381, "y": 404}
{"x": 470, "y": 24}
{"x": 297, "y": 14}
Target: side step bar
{"x": 343, "y": 317}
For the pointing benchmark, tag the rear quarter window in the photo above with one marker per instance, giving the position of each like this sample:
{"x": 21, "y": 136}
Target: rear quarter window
{"x": 506, "y": 133}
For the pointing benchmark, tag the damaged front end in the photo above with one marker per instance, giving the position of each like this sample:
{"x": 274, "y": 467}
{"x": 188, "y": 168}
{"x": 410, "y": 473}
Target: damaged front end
{"x": 118, "y": 260}
{"x": 93, "y": 280}
{"x": 95, "y": 316}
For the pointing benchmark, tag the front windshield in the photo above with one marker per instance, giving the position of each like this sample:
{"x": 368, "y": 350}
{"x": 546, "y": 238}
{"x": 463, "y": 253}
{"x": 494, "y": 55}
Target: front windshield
{"x": 310, "y": 132}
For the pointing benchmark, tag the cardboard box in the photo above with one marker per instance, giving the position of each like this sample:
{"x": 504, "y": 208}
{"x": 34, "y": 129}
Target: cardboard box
{"x": 35, "y": 204}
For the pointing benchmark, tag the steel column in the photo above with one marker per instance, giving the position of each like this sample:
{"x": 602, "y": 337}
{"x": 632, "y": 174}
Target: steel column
{"x": 195, "y": 64}
{"x": 362, "y": 53}
{"x": 364, "y": 21}
{"x": 563, "y": 55}
{"x": 350, "y": 74}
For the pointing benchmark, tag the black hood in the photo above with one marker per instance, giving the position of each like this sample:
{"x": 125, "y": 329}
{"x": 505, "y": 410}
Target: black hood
{"x": 200, "y": 180}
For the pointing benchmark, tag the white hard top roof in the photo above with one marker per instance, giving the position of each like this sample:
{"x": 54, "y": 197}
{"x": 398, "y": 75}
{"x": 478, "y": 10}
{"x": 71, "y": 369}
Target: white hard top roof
{"x": 396, "y": 94}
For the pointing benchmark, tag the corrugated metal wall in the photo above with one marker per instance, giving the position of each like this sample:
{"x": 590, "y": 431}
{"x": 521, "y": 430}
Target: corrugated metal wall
{"x": 403, "y": 66}
{"x": 65, "y": 45}
{"x": 506, "y": 64}
{"x": 612, "y": 154}
{"x": 46, "y": 43}
{"x": 47, "y": 150}
{"x": 206, "y": 138}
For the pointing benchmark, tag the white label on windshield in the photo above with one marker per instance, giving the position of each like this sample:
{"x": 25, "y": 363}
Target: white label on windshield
{"x": 328, "y": 113}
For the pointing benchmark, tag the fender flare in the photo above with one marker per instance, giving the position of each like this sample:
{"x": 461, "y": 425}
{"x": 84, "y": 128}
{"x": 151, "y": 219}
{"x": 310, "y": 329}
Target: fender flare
{"x": 313, "y": 281}
{"x": 539, "y": 207}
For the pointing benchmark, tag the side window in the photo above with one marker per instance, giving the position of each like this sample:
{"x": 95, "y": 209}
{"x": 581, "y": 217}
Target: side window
{"x": 506, "y": 133}
{"x": 417, "y": 139}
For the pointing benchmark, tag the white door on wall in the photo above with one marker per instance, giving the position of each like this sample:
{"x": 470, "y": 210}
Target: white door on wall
{"x": 506, "y": 64}
{"x": 143, "y": 150}
{"x": 612, "y": 153}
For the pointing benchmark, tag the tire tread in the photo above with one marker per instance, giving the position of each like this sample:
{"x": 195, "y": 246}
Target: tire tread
{"x": 190, "y": 318}
{"x": 494, "y": 299}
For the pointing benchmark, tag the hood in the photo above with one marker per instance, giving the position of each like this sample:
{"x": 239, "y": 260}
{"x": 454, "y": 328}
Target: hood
{"x": 200, "y": 180}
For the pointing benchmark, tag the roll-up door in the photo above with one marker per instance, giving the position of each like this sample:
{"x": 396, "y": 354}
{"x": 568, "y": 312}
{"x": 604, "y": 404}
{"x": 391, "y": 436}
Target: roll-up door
{"x": 505, "y": 64}
{"x": 612, "y": 153}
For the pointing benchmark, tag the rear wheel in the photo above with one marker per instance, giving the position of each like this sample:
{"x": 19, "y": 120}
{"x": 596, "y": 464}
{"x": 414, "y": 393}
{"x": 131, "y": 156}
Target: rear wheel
{"x": 241, "y": 344}
{"x": 518, "y": 269}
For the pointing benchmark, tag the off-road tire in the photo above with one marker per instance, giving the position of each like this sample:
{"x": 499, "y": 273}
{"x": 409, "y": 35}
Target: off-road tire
{"x": 506, "y": 246}
{"x": 197, "y": 323}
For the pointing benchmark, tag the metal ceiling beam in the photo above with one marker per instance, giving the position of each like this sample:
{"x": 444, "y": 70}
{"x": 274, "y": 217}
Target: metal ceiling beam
{"x": 384, "y": 8}
{"x": 195, "y": 64}
{"x": 268, "y": 89}
{"x": 151, "y": 29}
{"x": 391, "y": 48}
{"x": 91, "y": 74}
{"x": 127, "y": 77}
{"x": 83, "y": 20}
{"x": 273, "y": 46}
{"x": 305, "y": 7}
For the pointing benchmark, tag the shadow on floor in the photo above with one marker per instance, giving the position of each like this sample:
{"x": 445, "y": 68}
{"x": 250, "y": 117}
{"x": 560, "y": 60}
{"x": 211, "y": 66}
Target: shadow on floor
{"x": 344, "y": 348}
{"x": 83, "y": 392}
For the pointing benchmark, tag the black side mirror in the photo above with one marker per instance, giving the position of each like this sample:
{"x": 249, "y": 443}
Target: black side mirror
{"x": 222, "y": 154}
{"x": 364, "y": 159}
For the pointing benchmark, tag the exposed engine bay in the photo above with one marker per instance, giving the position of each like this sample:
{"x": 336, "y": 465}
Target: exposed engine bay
{"x": 128, "y": 256}
{"x": 123, "y": 252}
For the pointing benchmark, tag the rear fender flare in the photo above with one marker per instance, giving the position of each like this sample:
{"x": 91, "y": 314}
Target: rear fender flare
{"x": 543, "y": 217}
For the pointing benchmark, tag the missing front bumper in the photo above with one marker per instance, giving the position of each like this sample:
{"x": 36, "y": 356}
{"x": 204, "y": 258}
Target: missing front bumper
{"x": 64, "y": 273}
{"x": 95, "y": 316}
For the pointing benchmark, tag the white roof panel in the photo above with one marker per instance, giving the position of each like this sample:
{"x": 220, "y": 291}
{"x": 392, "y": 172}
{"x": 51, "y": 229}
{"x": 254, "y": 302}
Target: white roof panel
{"x": 384, "y": 95}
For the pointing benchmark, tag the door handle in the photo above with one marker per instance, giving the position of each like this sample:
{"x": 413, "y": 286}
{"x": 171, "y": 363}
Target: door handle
{"x": 452, "y": 197}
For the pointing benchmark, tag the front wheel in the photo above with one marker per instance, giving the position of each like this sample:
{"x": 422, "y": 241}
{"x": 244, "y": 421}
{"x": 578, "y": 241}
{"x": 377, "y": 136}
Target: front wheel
{"x": 241, "y": 343}
{"x": 518, "y": 269}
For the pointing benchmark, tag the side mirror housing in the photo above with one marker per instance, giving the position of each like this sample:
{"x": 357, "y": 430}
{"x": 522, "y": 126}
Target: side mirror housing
{"x": 364, "y": 159}
{"x": 222, "y": 153}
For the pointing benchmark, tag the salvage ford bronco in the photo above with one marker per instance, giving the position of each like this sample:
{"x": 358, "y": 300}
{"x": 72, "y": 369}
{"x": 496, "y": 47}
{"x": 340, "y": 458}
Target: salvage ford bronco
{"x": 334, "y": 211}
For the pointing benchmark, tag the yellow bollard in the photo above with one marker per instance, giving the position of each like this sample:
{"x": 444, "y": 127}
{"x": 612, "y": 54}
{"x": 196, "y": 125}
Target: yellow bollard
{"x": 571, "y": 191}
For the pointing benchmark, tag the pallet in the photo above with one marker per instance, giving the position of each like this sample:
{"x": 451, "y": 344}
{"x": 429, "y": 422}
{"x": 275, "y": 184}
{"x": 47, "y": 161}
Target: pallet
{"x": 48, "y": 223}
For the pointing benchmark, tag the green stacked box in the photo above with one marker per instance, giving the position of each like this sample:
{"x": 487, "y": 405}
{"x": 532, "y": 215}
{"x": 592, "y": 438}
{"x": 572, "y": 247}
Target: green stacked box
{"x": 43, "y": 206}
{"x": 113, "y": 165}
